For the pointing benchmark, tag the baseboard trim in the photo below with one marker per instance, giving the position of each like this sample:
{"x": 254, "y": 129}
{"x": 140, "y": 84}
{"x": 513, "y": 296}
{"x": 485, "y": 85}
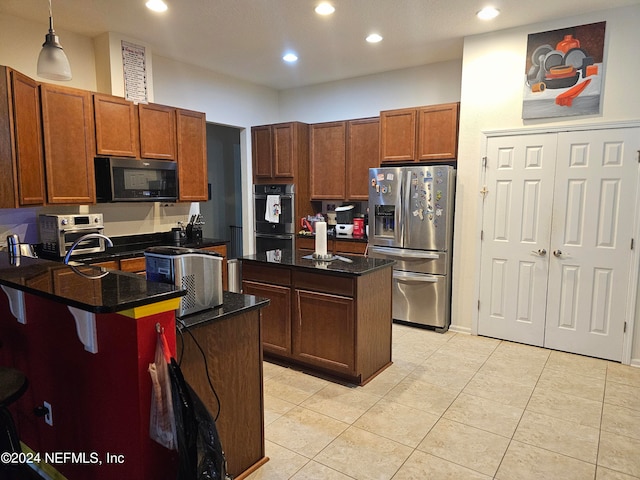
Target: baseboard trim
{"x": 459, "y": 329}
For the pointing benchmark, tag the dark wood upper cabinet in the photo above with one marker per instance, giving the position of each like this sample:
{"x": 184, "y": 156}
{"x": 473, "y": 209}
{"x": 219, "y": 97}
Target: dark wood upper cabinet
{"x": 192, "y": 155}
{"x": 21, "y": 151}
{"x": 419, "y": 134}
{"x": 438, "y": 132}
{"x": 157, "y": 131}
{"x": 398, "y": 135}
{"x": 279, "y": 152}
{"x": 327, "y": 143}
{"x": 363, "y": 153}
{"x": 116, "y": 126}
{"x": 262, "y": 151}
{"x": 68, "y": 130}
{"x": 284, "y": 150}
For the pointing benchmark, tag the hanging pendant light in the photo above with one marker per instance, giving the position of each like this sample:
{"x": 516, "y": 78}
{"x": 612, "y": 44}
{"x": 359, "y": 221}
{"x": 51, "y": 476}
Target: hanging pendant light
{"x": 52, "y": 61}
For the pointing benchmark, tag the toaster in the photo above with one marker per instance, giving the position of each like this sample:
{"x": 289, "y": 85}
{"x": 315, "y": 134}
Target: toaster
{"x": 199, "y": 272}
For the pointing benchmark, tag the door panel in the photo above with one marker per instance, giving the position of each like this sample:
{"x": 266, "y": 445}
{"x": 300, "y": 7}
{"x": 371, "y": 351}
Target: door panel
{"x": 556, "y": 256}
{"x": 516, "y": 226}
{"x": 595, "y": 192}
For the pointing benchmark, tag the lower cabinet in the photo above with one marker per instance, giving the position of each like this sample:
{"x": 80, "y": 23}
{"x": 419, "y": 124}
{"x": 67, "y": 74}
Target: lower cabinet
{"x": 324, "y": 330}
{"x": 276, "y": 317}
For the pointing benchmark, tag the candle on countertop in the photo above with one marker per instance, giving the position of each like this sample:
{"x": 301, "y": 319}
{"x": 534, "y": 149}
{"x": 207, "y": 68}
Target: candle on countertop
{"x": 321, "y": 238}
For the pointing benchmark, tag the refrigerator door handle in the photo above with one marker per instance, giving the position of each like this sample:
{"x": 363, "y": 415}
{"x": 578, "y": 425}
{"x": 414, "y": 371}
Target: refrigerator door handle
{"x": 414, "y": 277}
{"x": 394, "y": 252}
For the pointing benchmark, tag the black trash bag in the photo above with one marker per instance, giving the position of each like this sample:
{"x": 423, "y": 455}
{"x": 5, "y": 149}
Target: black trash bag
{"x": 199, "y": 449}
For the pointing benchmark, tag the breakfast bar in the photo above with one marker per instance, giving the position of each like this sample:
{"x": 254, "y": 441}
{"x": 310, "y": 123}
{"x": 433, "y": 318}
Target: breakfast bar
{"x": 84, "y": 338}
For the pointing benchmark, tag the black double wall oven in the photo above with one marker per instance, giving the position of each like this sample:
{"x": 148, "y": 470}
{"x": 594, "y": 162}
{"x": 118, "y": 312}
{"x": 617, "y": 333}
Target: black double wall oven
{"x": 274, "y": 226}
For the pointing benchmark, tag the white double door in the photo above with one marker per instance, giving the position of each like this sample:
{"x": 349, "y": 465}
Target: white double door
{"x": 558, "y": 218}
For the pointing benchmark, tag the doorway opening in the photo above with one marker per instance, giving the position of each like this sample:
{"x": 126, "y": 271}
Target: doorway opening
{"x": 222, "y": 213}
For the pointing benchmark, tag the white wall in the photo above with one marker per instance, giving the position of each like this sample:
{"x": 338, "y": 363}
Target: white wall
{"x": 366, "y": 96}
{"x": 224, "y": 100}
{"x": 21, "y": 42}
{"x": 494, "y": 102}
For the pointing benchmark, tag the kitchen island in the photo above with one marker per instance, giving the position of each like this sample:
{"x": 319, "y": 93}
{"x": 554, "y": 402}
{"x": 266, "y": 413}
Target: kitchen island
{"x": 85, "y": 336}
{"x": 327, "y": 317}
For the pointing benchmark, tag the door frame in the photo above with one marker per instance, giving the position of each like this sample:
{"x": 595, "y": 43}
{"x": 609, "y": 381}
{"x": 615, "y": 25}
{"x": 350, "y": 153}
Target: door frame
{"x": 631, "y": 308}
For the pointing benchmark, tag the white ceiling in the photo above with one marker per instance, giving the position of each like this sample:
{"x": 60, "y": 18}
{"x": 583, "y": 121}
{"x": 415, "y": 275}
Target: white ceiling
{"x": 247, "y": 38}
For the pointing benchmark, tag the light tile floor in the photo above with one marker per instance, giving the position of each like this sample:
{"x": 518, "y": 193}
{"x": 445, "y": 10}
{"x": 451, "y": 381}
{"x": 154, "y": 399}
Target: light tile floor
{"x": 457, "y": 406}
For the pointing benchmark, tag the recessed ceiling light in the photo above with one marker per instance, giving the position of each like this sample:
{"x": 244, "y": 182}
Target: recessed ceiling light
{"x": 374, "y": 38}
{"x": 156, "y": 5}
{"x": 290, "y": 57}
{"x": 325, "y": 9}
{"x": 488, "y": 13}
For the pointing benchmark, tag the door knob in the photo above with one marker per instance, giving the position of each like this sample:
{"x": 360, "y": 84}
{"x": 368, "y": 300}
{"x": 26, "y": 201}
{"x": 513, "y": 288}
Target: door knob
{"x": 557, "y": 253}
{"x": 540, "y": 252}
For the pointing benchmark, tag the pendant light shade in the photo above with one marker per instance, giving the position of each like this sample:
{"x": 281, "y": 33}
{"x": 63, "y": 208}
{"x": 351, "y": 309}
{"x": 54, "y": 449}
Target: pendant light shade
{"x": 52, "y": 61}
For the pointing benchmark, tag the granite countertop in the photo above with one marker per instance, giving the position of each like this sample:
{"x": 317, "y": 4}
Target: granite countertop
{"x": 92, "y": 289}
{"x": 234, "y": 304}
{"x": 134, "y": 246}
{"x": 341, "y": 264}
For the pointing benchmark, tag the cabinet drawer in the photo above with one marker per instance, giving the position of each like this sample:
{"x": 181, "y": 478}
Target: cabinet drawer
{"x": 133, "y": 264}
{"x": 356, "y": 248}
{"x": 108, "y": 264}
{"x": 306, "y": 243}
{"x": 267, "y": 274}
{"x": 324, "y": 283}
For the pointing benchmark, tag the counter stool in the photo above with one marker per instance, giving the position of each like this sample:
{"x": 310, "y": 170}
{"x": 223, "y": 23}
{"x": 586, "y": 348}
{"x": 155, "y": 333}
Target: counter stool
{"x": 13, "y": 384}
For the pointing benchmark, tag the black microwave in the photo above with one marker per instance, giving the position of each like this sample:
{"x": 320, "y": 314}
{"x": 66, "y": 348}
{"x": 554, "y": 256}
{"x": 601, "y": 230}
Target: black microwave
{"x": 132, "y": 180}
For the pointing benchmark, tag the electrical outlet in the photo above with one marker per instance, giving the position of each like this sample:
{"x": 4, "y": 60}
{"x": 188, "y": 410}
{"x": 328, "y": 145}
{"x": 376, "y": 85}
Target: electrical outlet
{"x": 48, "y": 418}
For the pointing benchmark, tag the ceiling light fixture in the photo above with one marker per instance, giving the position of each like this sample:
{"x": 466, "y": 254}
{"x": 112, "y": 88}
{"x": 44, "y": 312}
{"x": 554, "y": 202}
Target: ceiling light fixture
{"x": 290, "y": 58}
{"x": 156, "y": 5}
{"x": 488, "y": 13}
{"x": 374, "y": 38}
{"x": 52, "y": 61}
{"x": 325, "y": 9}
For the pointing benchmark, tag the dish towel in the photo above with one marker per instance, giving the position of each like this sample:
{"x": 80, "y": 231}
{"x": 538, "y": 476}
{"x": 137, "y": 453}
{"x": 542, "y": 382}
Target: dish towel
{"x": 272, "y": 212}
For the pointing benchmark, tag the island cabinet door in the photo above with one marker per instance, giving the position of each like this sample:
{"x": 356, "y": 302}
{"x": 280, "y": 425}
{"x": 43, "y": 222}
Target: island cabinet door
{"x": 276, "y": 318}
{"x": 324, "y": 331}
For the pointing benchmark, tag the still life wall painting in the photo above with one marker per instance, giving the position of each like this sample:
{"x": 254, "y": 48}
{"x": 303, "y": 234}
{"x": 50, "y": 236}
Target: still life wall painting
{"x": 564, "y": 72}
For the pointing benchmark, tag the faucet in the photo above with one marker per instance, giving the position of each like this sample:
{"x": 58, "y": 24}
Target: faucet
{"x": 83, "y": 238}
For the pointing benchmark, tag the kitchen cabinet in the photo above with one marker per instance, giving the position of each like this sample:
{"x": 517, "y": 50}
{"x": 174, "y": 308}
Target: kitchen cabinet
{"x": 324, "y": 320}
{"x": 116, "y": 122}
{"x": 328, "y": 160}
{"x": 68, "y": 132}
{"x": 21, "y": 151}
{"x": 419, "y": 134}
{"x": 134, "y": 265}
{"x": 280, "y": 154}
{"x": 275, "y": 284}
{"x": 192, "y": 156}
{"x": 278, "y": 150}
{"x": 324, "y": 330}
{"x": 334, "y": 245}
{"x": 276, "y": 318}
{"x": 341, "y": 154}
{"x": 157, "y": 131}
{"x": 363, "y": 153}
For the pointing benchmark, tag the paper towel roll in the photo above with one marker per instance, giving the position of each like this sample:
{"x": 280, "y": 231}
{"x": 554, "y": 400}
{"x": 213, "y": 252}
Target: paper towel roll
{"x": 321, "y": 238}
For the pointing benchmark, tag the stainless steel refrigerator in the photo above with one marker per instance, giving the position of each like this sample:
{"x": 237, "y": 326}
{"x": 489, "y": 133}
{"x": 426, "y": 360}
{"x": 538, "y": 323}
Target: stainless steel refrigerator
{"x": 411, "y": 222}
